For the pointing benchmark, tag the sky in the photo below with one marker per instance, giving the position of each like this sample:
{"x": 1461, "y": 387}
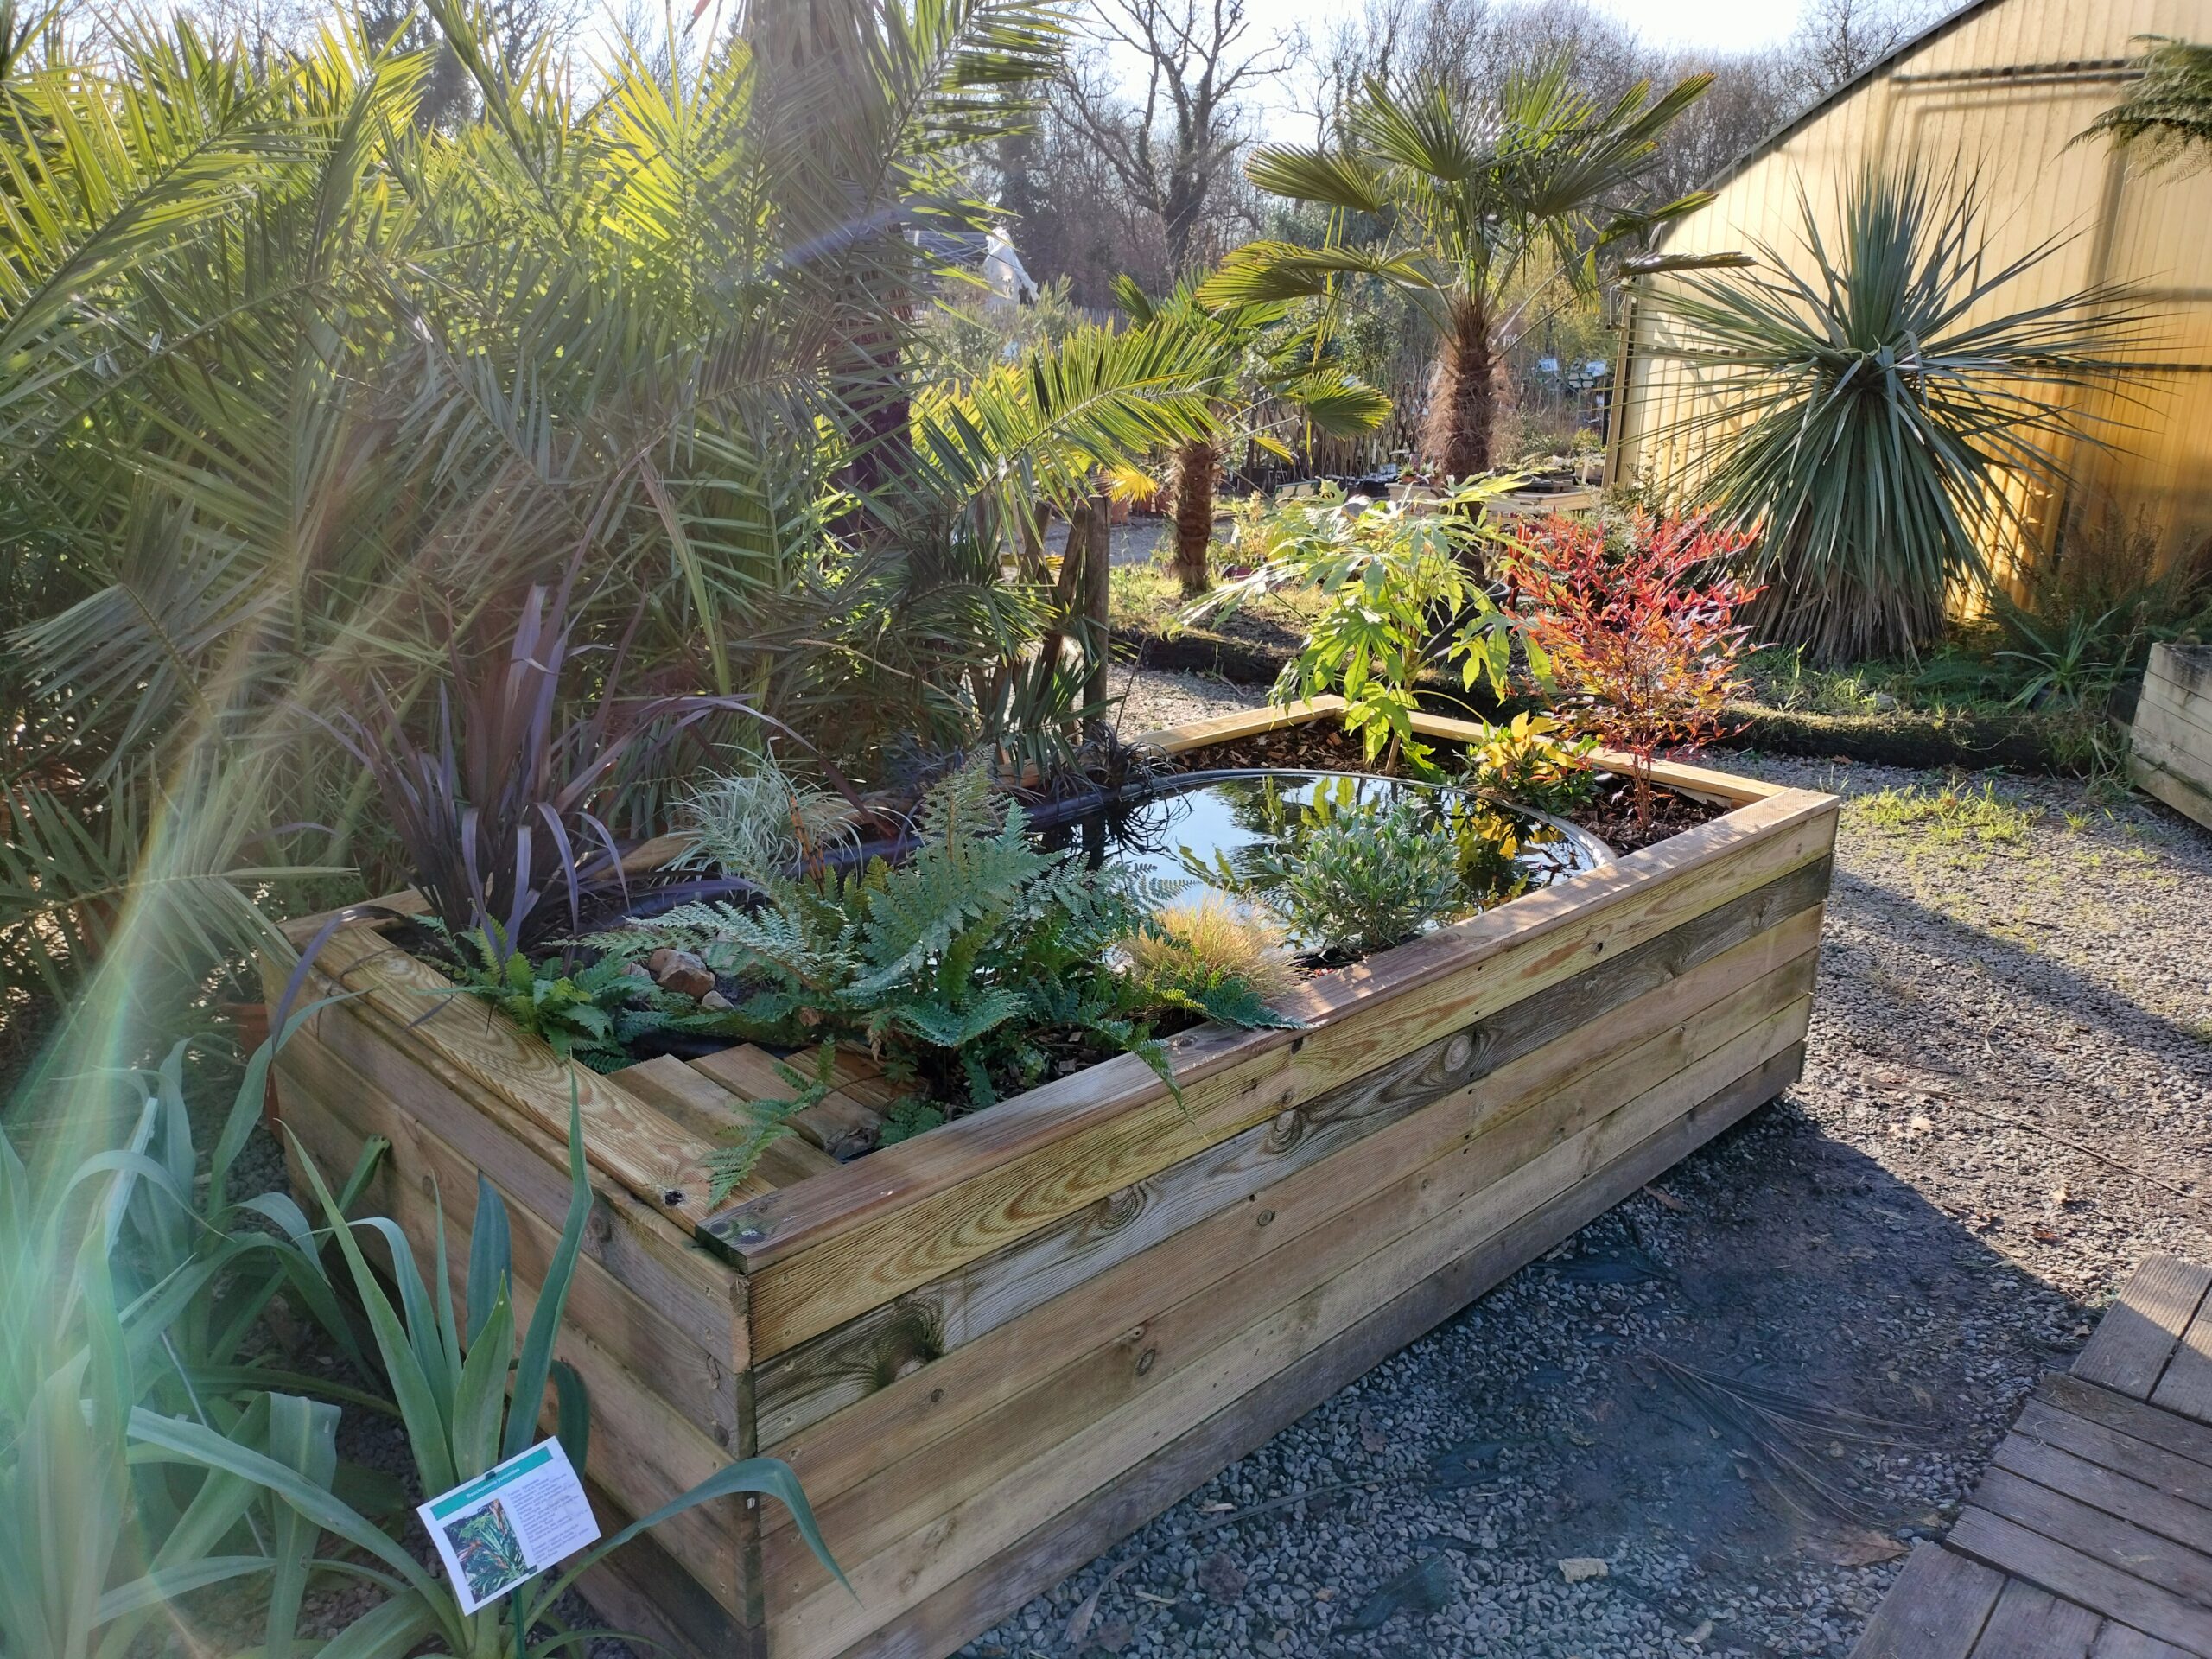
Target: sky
{"x": 1729, "y": 26}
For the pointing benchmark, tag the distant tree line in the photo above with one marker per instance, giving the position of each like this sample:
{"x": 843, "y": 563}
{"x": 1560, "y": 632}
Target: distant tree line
{"x": 1136, "y": 163}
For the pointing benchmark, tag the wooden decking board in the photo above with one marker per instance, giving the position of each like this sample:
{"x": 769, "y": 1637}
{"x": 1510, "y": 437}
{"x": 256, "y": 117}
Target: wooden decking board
{"x": 2139, "y": 1333}
{"x": 2118, "y": 1642}
{"x": 2049, "y": 1424}
{"x": 2118, "y": 1594}
{"x": 1936, "y": 1610}
{"x": 2097, "y": 1533}
{"x": 2187, "y": 1386}
{"x": 2147, "y": 1423}
{"x": 2094, "y": 1518}
{"x": 2176, "y": 1517}
{"x": 2033, "y": 1624}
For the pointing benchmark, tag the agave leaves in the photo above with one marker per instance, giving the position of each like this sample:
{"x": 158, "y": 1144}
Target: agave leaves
{"x": 1871, "y": 406}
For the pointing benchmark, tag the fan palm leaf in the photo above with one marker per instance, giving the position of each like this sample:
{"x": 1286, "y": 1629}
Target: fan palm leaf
{"x": 1467, "y": 201}
{"x": 2167, "y": 113}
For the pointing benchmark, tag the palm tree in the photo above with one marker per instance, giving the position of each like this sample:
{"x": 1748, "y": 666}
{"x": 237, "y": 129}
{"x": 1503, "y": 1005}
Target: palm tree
{"x": 1262, "y": 361}
{"x": 2169, "y": 110}
{"x": 291, "y": 383}
{"x": 1470, "y": 206}
{"x": 1872, "y": 409}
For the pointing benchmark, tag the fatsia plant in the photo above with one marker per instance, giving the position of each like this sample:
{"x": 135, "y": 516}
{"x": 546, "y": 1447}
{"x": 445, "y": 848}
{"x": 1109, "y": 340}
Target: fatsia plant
{"x": 1399, "y": 596}
{"x": 452, "y": 1368}
{"x": 1263, "y": 359}
{"x": 1479, "y": 212}
{"x": 1876, "y": 407}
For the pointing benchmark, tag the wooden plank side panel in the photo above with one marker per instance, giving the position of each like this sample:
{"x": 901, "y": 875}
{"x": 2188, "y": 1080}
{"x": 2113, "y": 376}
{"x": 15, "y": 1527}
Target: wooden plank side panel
{"x": 2139, "y": 1332}
{"x": 634, "y": 1241}
{"x": 637, "y": 1146}
{"x": 1300, "y": 1213}
{"x": 2186, "y": 796}
{"x": 982, "y": 1596}
{"x": 1936, "y": 1610}
{"x": 992, "y": 1177}
{"x": 422, "y": 1170}
{"x": 1471, "y": 1083}
{"x": 2185, "y": 725}
{"x": 642, "y": 1590}
{"x": 1138, "y": 1347}
{"x": 1070, "y": 1473}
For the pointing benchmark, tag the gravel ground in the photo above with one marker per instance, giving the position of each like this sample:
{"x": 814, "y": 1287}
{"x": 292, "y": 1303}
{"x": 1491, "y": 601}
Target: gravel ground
{"x": 1908, "y": 1234}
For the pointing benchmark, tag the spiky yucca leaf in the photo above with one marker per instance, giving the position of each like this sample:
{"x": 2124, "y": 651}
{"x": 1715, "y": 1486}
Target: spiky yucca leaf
{"x": 1869, "y": 405}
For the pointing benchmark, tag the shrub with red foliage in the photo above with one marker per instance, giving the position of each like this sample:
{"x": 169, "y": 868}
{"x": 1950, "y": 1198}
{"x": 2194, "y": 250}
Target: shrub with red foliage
{"x": 1632, "y": 625}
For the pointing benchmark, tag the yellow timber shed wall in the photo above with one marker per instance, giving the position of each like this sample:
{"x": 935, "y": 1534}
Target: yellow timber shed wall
{"x": 1997, "y": 91}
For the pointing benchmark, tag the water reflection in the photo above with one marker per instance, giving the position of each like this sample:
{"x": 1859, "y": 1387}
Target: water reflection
{"x": 1228, "y": 830}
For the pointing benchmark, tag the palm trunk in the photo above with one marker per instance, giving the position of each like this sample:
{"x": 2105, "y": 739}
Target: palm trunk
{"x": 1457, "y": 441}
{"x": 1194, "y": 471}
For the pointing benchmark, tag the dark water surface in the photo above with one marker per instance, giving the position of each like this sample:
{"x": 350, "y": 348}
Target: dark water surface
{"x": 1214, "y": 829}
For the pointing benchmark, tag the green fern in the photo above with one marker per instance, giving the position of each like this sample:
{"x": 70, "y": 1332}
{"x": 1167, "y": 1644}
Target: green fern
{"x": 977, "y": 966}
{"x": 727, "y": 1167}
{"x": 591, "y": 1013}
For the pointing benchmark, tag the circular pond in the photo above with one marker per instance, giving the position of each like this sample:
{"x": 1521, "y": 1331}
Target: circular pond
{"x": 1237, "y": 832}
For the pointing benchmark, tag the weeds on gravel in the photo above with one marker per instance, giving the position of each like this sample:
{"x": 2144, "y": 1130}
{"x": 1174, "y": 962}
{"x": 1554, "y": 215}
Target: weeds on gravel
{"x": 1952, "y": 816}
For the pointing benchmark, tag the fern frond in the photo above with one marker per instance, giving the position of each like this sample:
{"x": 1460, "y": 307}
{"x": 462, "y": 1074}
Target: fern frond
{"x": 727, "y": 1167}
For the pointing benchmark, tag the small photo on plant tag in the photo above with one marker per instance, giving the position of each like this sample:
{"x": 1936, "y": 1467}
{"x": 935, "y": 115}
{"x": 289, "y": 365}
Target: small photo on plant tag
{"x": 510, "y": 1523}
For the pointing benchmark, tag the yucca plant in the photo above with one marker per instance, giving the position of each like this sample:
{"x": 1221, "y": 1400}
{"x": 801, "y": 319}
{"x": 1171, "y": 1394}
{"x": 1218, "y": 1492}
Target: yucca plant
{"x": 1473, "y": 204}
{"x": 1870, "y": 407}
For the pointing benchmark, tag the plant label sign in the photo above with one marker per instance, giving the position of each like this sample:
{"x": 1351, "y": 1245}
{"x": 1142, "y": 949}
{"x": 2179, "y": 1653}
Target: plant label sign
{"x": 510, "y": 1523}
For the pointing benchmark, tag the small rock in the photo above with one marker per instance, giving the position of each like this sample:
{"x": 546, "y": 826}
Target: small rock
{"x": 681, "y": 972}
{"x": 715, "y": 1002}
{"x": 1575, "y": 1568}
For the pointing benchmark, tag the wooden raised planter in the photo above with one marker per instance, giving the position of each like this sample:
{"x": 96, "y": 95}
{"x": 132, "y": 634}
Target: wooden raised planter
{"x": 994, "y": 1349}
{"x": 2173, "y": 730}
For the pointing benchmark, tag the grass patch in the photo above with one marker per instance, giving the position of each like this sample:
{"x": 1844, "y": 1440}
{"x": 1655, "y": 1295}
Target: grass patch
{"x": 1954, "y": 815}
{"x": 1145, "y": 599}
